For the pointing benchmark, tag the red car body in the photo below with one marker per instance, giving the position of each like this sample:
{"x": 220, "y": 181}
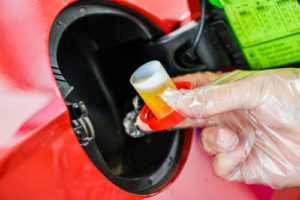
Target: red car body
{"x": 40, "y": 156}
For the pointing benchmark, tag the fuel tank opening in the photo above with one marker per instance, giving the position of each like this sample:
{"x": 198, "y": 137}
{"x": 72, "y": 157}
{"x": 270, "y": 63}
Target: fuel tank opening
{"x": 93, "y": 47}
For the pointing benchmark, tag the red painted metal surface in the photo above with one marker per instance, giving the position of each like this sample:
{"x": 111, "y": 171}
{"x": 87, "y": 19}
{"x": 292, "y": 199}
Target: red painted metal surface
{"x": 40, "y": 157}
{"x": 169, "y": 15}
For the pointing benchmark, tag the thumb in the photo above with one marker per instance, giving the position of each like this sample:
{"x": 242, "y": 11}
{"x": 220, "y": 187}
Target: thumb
{"x": 215, "y": 99}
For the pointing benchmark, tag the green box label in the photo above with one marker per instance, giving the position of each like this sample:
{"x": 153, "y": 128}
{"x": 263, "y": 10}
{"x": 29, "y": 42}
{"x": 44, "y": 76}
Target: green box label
{"x": 275, "y": 53}
{"x": 267, "y": 30}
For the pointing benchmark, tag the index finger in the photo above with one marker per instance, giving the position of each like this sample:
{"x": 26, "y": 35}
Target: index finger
{"x": 197, "y": 79}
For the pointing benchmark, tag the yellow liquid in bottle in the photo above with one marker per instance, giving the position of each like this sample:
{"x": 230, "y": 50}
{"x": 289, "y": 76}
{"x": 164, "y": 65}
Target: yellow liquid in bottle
{"x": 151, "y": 97}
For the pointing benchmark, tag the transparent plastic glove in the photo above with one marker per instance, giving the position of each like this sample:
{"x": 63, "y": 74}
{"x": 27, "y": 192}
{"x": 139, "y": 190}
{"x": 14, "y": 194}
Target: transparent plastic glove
{"x": 252, "y": 122}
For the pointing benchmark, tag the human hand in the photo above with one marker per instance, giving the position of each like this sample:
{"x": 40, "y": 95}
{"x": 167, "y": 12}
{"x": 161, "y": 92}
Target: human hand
{"x": 252, "y": 124}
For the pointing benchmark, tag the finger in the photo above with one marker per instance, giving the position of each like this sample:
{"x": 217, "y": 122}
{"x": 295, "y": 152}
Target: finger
{"x": 240, "y": 92}
{"x": 143, "y": 126}
{"x": 226, "y": 164}
{"x": 214, "y": 140}
{"x": 216, "y": 99}
{"x": 184, "y": 101}
{"x": 189, "y": 123}
{"x": 197, "y": 79}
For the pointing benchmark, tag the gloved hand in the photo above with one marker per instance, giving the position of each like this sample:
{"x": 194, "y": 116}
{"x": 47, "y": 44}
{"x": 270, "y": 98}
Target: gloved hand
{"x": 252, "y": 124}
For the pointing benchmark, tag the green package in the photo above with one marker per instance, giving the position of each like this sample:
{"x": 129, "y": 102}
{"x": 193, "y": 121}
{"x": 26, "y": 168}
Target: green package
{"x": 268, "y": 31}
